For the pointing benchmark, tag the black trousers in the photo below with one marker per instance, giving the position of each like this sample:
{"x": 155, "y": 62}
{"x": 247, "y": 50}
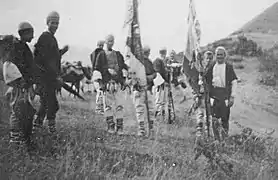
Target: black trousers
{"x": 49, "y": 105}
{"x": 220, "y": 110}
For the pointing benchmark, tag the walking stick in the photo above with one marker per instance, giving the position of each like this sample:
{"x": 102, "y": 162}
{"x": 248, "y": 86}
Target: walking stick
{"x": 204, "y": 88}
{"x": 207, "y": 106}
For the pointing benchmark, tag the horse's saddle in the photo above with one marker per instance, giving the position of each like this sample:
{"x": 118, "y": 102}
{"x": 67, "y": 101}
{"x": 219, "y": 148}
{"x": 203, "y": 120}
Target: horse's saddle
{"x": 72, "y": 69}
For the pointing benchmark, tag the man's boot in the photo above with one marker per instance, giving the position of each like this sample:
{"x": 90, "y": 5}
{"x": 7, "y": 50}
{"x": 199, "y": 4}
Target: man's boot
{"x": 163, "y": 115}
{"x": 199, "y": 129}
{"x": 16, "y": 137}
{"x": 38, "y": 124}
{"x": 151, "y": 130}
{"x": 199, "y": 142}
{"x": 120, "y": 124}
{"x": 225, "y": 130}
{"x": 52, "y": 126}
{"x": 141, "y": 131}
{"x": 110, "y": 125}
{"x": 215, "y": 128}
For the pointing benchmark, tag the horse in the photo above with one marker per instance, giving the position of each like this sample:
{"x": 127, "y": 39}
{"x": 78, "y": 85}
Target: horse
{"x": 74, "y": 74}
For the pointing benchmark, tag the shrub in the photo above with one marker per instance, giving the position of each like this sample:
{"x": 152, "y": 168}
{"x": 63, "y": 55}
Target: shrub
{"x": 236, "y": 59}
{"x": 269, "y": 67}
{"x": 238, "y": 66}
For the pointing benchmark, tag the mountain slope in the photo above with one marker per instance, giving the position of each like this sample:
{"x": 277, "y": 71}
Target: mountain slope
{"x": 266, "y": 22}
{"x": 263, "y": 28}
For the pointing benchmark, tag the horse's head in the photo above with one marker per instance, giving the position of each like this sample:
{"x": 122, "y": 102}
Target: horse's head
{"x": 7, "y": 47}
{"x": 7, "y": 50}
{"x": 87, "y": 72}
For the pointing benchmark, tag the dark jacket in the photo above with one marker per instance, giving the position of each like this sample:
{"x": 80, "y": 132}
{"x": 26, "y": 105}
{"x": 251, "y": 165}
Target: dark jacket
{"x": 101, "y": 65}
{"x": 94, "y": 55}
{"x": 149, "y": 71}
{"x": 230, "y": 76}
{"x": 24, "y": 61}
{"x": 159, "y": 67}
{"x": 48, "y": 57}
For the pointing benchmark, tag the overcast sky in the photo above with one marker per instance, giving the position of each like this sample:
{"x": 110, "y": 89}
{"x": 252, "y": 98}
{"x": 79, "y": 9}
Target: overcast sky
{"x": 162, "y": 22}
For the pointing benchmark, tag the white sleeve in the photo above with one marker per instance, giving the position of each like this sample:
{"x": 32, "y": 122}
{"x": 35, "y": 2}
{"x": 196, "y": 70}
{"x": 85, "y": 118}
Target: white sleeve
{"x": 234, "y": 87}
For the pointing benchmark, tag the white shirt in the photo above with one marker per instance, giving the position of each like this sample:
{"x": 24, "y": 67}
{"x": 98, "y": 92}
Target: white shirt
{"x": 219, "y": 75}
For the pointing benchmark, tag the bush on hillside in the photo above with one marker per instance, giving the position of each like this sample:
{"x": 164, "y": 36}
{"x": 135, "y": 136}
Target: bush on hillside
{"x": 239, "y": 46}
{"x": 236, "y": 59}
{"x": 269, "y": 67}
{"x": 239, "y": 66}
{"x": 246, "y": 47}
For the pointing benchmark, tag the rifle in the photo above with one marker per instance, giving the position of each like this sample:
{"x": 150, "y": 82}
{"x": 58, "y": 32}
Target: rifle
{"x": 60, "y": 84}
{"x": 170, "y": 100}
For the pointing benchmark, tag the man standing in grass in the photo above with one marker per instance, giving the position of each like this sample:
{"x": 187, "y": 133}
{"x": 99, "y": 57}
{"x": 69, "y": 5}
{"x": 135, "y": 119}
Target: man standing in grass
{"x": 96, "y": 80}
{"x": 222, "y": 83}
{"x": 161, "y": 90}
{"x": 139, "y": 96}
{"x": 48, "y": 59}
{"x": 108, "y": 72}
{"x": 18, "y": 74}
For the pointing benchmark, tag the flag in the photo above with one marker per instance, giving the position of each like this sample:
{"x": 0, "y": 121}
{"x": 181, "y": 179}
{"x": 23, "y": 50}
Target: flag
{"x": 133, "y": 49}
{"x": 134, "y": 53}
{"x": 190, "y": 66}
{"x": 194, "y": 32}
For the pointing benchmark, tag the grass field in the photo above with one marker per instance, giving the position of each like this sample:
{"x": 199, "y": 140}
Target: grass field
{"x": 84, "y": 150}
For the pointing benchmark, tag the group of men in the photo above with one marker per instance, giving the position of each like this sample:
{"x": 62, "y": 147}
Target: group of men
{"x": 111, "y": 75}
{"x": 42, "y": 69}
{"x": 215, "y": 93}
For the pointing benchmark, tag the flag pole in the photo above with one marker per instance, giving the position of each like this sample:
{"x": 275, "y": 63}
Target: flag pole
{"x": 135, "y": 14}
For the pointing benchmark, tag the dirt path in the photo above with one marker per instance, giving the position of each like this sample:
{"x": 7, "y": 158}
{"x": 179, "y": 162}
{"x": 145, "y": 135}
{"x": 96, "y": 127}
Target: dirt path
{"x": 256, "y": 106}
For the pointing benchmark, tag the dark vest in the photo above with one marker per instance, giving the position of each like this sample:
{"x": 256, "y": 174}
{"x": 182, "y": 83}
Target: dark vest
{"x": 221, "y": 92}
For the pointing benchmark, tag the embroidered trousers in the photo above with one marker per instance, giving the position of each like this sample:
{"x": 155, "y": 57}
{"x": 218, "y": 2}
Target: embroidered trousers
{"x": 201, "y": 116}
{"x": 162, "y": 100}
{"x": 22, "y": 113}
{"x": 113, "y": 100}
{"x": 99, "y": 98}
{"x": 140, "y": 108}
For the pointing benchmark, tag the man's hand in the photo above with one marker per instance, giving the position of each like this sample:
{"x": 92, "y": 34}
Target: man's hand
{"x": 231, "y": 101}
{"x": 128, "y": 82}
{"x": 151, "y": 77}
{"x": 59, "y": 81}
{"x": 112, "y": 72}
{"x": 166, "y": 84}
{"x": 196, "y": 99}
{"x": 65, "y": 48}
{"x": 125, "y": 73}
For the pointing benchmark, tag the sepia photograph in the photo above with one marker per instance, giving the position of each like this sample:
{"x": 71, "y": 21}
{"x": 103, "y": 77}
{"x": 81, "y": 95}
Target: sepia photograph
{"x": 139, "y": 90}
